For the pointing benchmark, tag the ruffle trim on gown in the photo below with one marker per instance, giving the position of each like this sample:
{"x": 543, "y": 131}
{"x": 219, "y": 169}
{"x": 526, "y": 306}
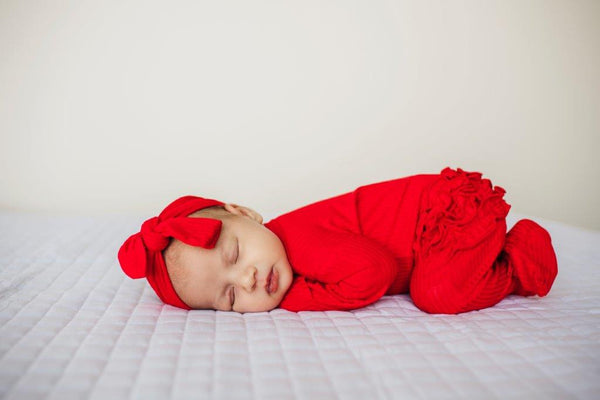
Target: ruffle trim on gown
{"x": 458, "y": 211}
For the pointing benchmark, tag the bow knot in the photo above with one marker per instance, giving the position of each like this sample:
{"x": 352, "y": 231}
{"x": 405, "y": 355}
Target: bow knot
{"x": 152, "y": 236}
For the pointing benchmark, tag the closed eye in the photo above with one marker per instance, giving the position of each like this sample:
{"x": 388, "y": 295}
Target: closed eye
{"x": 237, "y": 255}
{"x": 237, "y": 250}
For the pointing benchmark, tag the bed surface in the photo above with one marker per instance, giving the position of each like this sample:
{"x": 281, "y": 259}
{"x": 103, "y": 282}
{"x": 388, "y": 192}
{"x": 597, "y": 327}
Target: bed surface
{"x": 73, "y": 326}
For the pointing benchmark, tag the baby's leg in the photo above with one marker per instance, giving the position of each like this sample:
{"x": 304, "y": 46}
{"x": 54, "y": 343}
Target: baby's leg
{"x": 464, "y": 260}
{"x": 523, "y": 263}
{"x": 454, "y": 281}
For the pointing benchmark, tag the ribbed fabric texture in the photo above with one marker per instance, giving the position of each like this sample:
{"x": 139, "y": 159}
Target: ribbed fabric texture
{"x": 440, "y": 237}
{"x": 352, "y": 272}
{"x": 529, "y": 251}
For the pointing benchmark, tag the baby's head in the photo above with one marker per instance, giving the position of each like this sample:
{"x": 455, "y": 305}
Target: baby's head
{"x": 211, "y": 255}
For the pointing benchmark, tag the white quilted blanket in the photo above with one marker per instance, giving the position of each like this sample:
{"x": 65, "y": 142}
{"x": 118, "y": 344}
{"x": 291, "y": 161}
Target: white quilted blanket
{"x": 73, "y": 326}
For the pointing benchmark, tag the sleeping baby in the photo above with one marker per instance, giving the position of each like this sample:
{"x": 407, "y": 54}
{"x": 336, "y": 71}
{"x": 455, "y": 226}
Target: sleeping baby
{"x": 440, "y": 237}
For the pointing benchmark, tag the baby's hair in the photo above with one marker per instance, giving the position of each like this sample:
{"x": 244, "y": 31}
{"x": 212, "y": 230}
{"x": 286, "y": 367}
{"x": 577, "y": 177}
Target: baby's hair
{"x": 171, "y": 255}
{"x": 217, "y": 212}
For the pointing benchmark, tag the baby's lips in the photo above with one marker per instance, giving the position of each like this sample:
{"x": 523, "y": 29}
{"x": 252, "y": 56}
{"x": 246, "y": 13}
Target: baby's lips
{"x": 273, "y": 282}
{"x": 268, "y": 281}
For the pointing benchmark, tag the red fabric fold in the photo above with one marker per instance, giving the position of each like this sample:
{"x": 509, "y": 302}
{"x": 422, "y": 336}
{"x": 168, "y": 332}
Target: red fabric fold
{"x": 458, "y": 212}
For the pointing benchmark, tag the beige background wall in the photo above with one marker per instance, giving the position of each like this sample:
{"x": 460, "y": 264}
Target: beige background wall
{"x": 121, "y": 106}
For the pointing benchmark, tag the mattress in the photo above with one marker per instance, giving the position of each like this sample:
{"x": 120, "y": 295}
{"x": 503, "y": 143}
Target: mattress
{"x": 72, "y": 326}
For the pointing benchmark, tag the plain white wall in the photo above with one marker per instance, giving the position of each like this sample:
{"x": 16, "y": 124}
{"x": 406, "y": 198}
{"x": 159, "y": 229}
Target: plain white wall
{"x": 122, "y": 106}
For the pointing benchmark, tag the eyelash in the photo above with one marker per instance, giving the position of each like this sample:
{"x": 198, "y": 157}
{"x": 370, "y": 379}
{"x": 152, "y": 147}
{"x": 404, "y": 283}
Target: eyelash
{"x": 237, "y": 255}
{"x": 237, "y": 250}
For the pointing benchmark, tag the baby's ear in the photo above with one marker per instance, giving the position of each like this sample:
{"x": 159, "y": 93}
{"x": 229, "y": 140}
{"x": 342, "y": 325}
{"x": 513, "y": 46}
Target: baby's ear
{"x": 244, "y": 211}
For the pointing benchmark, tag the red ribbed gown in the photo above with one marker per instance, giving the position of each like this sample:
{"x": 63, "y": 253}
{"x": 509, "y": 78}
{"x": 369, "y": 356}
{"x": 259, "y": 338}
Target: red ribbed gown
{"x": 438, "y": 237}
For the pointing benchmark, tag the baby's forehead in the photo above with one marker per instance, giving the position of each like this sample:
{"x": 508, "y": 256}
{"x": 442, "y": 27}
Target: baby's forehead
{"x": 180, "y": 254}
{"x": 177, "y": 249}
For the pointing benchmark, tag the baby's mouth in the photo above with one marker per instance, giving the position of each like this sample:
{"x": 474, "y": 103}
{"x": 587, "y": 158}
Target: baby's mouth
{"x": 272, "y": 281}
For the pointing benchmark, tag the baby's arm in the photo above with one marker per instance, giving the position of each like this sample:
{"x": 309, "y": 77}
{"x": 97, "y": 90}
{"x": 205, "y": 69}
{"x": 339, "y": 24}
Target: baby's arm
{"x": 346, "y": 271}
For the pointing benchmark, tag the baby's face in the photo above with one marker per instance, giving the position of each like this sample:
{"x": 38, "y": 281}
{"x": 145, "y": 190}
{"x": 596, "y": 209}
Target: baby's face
{"x": 246, "y": 271}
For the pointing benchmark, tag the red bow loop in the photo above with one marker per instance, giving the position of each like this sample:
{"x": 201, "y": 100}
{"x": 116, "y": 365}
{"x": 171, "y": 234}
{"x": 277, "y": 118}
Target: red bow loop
{"x": 132, "y": 257}
{"x": 203, "y": 232}
{"x": 152, "y": 235}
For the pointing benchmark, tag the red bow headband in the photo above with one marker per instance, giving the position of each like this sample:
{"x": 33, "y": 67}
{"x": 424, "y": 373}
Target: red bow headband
{"x": 141, "y": 255}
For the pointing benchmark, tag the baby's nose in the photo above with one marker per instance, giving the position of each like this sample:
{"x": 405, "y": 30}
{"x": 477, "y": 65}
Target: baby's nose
{"x": 248, "y": 278}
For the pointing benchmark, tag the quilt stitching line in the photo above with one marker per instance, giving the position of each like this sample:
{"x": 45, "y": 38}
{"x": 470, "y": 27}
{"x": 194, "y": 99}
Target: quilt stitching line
{"x": 175, "y": 376}
{"x": 284, "y": 354}
{"x": 33, "y": 361}
{"x": 399, "y": 367}
{"x": 312, "y": 337}
{"x": 144, "y": 357}
{"x": 444, "y": 344}
{"x": 508, "y": 373}
{"x": 40, "y": 249}
{"x": 425, "y": 356}
{"x": 375, "y": 384}
{"x": 543, "y": 372}
{"x": 104, "y": 313}
{"x": 249, "y": 358}
{"x": 478, "y": 345}
{"x": 215, "y": 321}
{"x": 22, "y": 306}
{"x": 24, "y": 272}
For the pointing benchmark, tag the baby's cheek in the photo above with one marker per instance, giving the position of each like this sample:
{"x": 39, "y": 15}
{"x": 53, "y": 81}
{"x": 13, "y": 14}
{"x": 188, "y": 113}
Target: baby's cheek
{"x": 288, "y": 282}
